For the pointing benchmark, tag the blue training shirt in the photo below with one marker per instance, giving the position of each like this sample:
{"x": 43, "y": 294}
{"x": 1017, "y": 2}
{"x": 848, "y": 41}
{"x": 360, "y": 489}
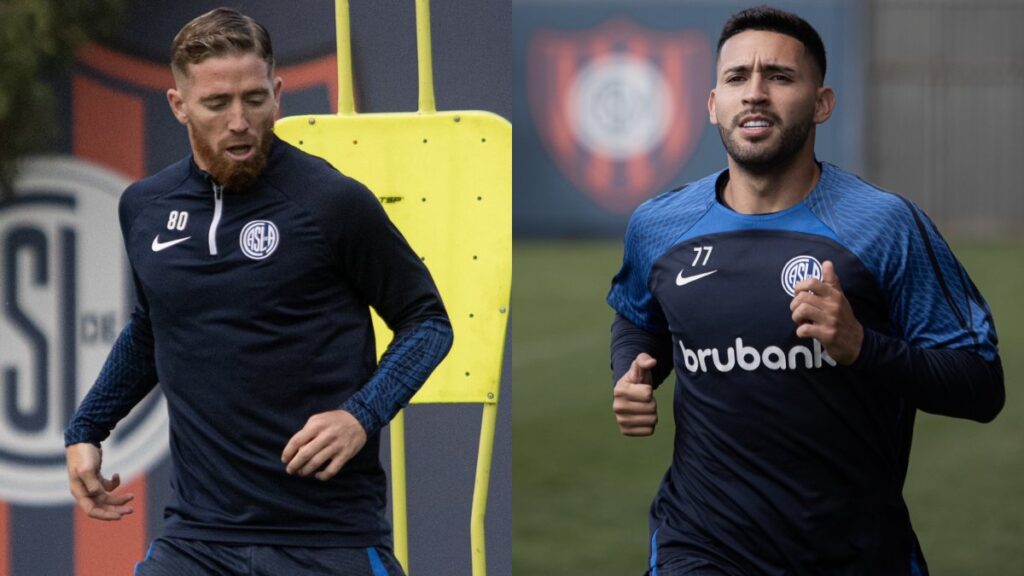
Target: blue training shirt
{"x": 253, "y": 314}
{"x": 786, "y": 462}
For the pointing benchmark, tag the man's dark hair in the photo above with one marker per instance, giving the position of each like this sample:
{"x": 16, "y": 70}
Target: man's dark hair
{"x": 771, "y": 19}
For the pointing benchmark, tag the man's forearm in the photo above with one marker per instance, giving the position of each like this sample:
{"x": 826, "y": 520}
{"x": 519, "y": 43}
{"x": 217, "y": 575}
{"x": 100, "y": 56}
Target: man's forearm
{"x": 128, "y": 374}
{"x": 405, "y": 366}
{"x": 955, "y": 383}
{"x": 628, "y": 340}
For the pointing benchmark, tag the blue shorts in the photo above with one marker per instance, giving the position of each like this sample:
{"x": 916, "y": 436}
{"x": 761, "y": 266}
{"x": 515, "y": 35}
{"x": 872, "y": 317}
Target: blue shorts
{"x": 180, "y": 557}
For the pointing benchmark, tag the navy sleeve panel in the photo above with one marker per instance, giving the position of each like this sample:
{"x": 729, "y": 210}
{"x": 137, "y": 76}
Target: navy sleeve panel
{"x": 932, "y": 301}
{"x": 387, "y": 275}
{"x": 393, "y": 280}
{"x": 128, "y": 374}
{"x": 129, "y": 206}
{"x": 652, "y": 229}
{"x": 956, "y": 383}
{"x": 405, "y": 366}
{"x": 390, "y": 275}
{"x": 629, "y": 340}
{"x": 378, "y": 262}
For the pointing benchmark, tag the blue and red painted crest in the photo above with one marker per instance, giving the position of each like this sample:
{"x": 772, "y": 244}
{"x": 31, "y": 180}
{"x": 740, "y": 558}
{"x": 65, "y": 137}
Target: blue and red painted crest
{"x": 619, "y": 107}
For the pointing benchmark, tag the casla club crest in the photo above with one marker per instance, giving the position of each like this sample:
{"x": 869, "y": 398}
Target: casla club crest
{"x": 619, "y": 107}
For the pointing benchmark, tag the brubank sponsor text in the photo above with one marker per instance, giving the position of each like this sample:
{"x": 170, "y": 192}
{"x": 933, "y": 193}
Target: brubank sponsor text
{"x": 750, "y": 358}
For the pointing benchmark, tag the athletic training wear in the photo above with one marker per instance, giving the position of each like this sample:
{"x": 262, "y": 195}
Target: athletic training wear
{"x": 177, "y": 557}
{"x": 253, "y": 315}
{"x": 785, "y": 462}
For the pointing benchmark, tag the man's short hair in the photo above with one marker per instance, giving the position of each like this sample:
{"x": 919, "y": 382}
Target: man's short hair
{"x": 771, "y": 19}
{"x": 220, "y": 32}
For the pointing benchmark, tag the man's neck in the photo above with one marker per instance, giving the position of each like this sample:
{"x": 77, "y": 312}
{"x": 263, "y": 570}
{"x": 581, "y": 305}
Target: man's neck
{"x": 752, "y": 193}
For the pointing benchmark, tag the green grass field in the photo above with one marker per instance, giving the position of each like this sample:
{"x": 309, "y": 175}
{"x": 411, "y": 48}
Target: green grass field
{"x": 582, "y": 490}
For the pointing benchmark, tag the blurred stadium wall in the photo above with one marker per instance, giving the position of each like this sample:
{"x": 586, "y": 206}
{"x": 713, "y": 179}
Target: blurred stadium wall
{"x": 945, "y": 87}
{"x": 64, "y": 283}
{"x": 610, "y": 106}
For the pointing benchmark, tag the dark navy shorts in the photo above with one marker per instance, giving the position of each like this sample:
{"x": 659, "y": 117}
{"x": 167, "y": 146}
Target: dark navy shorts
{"x": 180, "y": 557}
{"x": 687, "y": 567}
{"x": 678, "y": 570}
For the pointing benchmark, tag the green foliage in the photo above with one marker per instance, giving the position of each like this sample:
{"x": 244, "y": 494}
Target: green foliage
{"x": 38, "y": 39}
{"x": 582, "y": 489}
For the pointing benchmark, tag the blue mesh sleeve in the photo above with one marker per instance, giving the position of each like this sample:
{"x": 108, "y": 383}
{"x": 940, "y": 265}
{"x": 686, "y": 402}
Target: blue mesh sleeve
{"x": 933, "y": 302}
{"x": 405, "y": 366}
{"x": 654, "y": 227}
{"x": 128, "y": 374}
{"x": 943, "y": 346}
{"x": 968, "y": 322}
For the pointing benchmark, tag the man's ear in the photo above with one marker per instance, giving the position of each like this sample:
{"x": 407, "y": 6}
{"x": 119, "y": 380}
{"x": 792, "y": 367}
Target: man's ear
{"x": 278, "y": 85}
{"x": 711, "y": 109}
{"x": 177, "y": 103}
{"x": 824, "y": 105}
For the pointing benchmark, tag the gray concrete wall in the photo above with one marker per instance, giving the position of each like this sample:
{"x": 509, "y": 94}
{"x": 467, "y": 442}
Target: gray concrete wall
{"x": 945, "y": 89}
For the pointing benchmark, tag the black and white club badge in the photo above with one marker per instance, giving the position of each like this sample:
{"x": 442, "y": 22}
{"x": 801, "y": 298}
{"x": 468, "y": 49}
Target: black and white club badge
{"x": 259, "y": 239}
{"x": 797, "y": 269}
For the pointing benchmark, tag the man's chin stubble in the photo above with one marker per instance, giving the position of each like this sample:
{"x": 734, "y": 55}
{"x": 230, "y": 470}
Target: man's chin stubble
{"x": 767, "y": 160}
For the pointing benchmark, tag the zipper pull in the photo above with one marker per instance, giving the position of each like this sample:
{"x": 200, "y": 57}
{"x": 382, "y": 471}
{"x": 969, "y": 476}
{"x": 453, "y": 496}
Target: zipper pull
{"x": 218, "y": 207}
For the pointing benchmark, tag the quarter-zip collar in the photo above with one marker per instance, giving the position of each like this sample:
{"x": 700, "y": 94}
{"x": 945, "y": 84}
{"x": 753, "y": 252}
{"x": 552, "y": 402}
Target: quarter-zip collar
{"x": 218, "y": 190}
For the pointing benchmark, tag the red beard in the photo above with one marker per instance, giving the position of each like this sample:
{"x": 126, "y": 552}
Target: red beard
{"x": 232, "y": 174}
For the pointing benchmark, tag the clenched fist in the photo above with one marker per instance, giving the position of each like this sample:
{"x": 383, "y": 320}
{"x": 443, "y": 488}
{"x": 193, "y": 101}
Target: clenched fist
{"x": 635, "y": 408}
{"x": 821, "y": 311}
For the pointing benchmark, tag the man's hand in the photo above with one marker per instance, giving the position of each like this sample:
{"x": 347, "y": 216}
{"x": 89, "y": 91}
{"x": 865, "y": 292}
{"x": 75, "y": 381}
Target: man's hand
{"x": 821, "y": 311}
{"x": 91, "y": 490}
{"x": 329, "y": 438}
{"x": 635, "y": 408}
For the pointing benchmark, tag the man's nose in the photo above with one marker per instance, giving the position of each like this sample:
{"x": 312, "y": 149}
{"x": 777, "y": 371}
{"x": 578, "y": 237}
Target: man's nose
{"x": 237, "y": 122}
{"x": 755, "y": 90}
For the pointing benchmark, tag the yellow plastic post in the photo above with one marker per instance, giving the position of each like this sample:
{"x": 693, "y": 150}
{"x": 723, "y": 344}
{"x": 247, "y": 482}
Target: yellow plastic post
{"x": 445, "y": 180}
{"x": 424, "y": 57}
{"x": 346, "y": 98}
{"x": 398, "y": 490}
{"x": 481, "y": 485}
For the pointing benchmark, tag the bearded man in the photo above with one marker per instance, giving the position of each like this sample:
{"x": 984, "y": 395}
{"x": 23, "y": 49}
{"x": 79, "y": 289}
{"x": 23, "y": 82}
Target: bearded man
{"x": 255, "y": 267}
{"x": 808, "y": 315}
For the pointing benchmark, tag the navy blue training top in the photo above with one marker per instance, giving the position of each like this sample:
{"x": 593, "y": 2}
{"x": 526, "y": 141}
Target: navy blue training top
{"x": 253, "y": 315}
{"x": 784, "y": 461}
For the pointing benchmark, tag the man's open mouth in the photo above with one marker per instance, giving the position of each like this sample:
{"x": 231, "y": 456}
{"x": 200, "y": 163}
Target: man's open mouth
{"x": 240, "y": 152}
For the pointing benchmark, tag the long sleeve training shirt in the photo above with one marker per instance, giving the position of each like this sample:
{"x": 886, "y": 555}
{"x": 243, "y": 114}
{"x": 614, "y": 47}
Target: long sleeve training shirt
{"x": 786, "y": 462}
{"x": 253, "y": 314}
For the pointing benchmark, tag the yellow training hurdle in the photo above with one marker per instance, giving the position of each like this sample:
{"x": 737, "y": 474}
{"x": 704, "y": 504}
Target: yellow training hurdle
{"x": 445, "y": 179}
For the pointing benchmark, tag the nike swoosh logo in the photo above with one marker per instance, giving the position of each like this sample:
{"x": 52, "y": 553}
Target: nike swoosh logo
{"x": 684, "y": 280}
{"x": 158, "y": 245}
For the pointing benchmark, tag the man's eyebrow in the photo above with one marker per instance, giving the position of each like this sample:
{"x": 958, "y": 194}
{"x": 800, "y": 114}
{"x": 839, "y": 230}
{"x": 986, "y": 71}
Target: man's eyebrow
{"x": 764, "y": 68}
